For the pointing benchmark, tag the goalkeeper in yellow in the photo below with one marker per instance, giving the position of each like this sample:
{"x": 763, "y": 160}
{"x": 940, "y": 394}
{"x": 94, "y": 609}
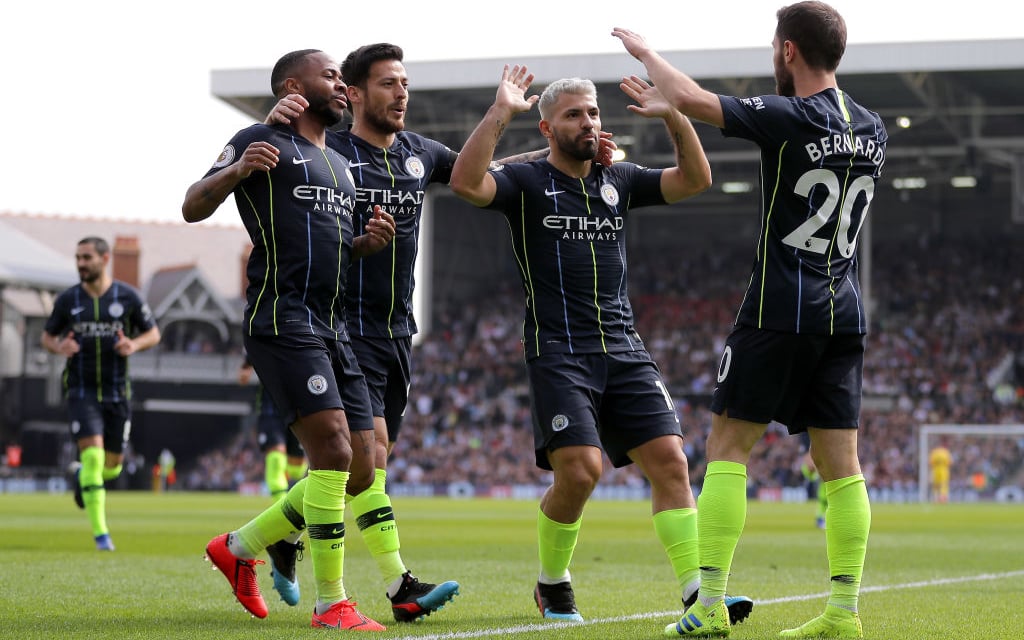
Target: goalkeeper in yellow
{"x": 939, "y": 461}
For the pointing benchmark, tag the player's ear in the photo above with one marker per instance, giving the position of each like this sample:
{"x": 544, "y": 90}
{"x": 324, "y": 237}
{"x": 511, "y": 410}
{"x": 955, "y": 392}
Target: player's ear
{"x": 353, "y": 93}
{"x": 293, "y": 85}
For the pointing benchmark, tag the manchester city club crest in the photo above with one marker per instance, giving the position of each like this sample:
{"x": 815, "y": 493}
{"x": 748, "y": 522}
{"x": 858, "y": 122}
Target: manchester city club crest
{"x": 609, "y": 194}
{"x": 116, "y": 310}
{"x": 414, "y": 167}
{"x": 317, "y": 384}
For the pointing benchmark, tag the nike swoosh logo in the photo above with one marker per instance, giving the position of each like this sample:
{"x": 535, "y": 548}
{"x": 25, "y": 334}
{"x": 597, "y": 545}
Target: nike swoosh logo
{"x": 337, "y": 532}
{"x": 385, "y": 514}
{"x": 301, "y": 160}
{"x": 77, "y": 310}
{"x": 548, "y": 192}
{"x": 358, "y": 164}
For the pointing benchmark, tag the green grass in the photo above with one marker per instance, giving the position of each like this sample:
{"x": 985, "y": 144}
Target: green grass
{"x": 951, "y": 571}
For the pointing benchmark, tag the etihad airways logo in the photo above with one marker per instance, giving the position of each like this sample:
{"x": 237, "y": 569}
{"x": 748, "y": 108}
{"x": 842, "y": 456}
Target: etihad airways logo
{"x": 97, "y": 329}
{"x": 583, "y": 223}
{"x": 585, "y": 228}
{"x": 393, "y": 201}
{"x": 328, "y": 199}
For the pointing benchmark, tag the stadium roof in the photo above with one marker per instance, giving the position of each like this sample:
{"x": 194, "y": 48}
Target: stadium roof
{"x": 964, "y": 101}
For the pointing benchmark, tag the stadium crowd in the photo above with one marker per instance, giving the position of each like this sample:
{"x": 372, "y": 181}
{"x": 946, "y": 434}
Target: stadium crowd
{"x": 948, "y": 321}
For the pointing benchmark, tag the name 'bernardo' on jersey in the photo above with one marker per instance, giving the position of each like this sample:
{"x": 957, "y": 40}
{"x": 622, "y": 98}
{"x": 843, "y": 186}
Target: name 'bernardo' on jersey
{"x": 846, "y": 144}
{"x": 327, "y": 199}
{"x": 393, "y": 201}
{"x": 585, "y": 228}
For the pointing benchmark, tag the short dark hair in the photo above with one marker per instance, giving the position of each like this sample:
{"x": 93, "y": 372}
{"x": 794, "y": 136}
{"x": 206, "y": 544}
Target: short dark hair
{"x": 356, "y": 68}
{"x": 818, "y": 31}
{"x": 98, "y": 243}
{"x": 286, "y": 67}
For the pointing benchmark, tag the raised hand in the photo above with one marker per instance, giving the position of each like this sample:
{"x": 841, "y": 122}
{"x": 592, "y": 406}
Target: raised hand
{"x": 650, "y": 102}
{"x": 634, "y": 42}
{"x": 511, "y": 93}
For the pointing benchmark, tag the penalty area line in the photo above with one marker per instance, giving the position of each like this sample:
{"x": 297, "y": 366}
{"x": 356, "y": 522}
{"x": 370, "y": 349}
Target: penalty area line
{"x": 554, "y": 626}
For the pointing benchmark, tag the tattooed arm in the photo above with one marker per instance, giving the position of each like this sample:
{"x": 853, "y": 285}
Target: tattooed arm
{"x": 470, "y": 179}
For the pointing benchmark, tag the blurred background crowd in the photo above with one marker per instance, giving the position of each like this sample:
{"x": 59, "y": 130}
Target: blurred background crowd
{"x": 946, "y": 345}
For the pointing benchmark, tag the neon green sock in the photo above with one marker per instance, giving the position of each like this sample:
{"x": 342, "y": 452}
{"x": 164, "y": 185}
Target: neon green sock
{"x": 111, "y": 473}
{"x": 94, "y": 494}
{"x": 282, "y": 520}
{"x": 722, "y": 506}
{"x": 375, "y": 518}
{"x": 296, "y": 471}
{"x": 274, "y": 464}
{"x": 324, "y": 507}
{"x": 846, "y": 538}
{"x": 556, "y": 542}
{"x": 677, "y": 531}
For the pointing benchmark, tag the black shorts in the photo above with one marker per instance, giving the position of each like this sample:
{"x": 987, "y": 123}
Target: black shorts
{"x": 798, "y": 380}
{"x": 111, "y": 420}
{"x": 305, "y": 374}
{"x": 615, "y": 401}
{"x": 273, "y": 432}
{"x": 387, "y": 365}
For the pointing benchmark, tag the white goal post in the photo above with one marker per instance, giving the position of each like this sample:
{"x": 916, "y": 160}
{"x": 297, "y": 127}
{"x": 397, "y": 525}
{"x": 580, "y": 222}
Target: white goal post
{"x": 927, "y": 430}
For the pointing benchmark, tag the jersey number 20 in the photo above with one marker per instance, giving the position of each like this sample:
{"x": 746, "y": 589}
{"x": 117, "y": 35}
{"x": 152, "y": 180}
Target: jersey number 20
{"x": 803, "y": 236}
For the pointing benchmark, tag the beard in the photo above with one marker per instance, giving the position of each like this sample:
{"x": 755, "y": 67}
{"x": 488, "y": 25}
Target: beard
{"x": 89, "y": 275}
{"x": 576, "y": 148}
{"x": 783, "y": 80}
{"x": 325, "y": 110}
{"x": 378, "y": 121}
{"x": 784, "y": 85}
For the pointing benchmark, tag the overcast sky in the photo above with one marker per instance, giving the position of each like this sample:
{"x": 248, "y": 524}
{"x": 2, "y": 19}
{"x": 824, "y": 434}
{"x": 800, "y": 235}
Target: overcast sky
{"x": 107, "y": 107}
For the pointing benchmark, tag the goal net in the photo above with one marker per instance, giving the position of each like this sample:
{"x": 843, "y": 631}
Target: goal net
{"x": 986, "y": 461}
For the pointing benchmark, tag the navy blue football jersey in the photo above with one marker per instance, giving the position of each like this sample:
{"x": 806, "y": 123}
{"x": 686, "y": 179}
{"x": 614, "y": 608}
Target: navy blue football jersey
{"x": 97, "y": 371}
{"x": 820, "y": 159}
{"x": 569, "y": 241}
{"x": 299, "y": 216}
{"x": 378, "y": 297}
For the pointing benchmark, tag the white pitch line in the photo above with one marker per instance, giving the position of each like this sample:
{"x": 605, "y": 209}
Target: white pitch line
{"x": 554, "y": 626}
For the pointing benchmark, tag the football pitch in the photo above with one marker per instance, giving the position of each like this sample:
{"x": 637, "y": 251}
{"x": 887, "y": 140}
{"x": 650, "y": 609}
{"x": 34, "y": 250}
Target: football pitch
{"x": 951, "y": 571}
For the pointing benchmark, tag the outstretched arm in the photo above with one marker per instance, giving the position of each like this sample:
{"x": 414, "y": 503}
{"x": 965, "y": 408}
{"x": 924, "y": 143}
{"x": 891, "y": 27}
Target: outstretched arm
{"x": 204, "y": 196}
{"x": 679, "y": 89}
{"x": 692, "y": 173}
{"x": 470, "y": 179}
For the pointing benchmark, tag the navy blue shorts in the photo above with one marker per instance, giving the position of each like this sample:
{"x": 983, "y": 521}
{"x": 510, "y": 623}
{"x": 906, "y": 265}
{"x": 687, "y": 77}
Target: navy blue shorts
{"x": 797, "y": 380}
{"x": 615, "y": 401}
{"x": 111, "y": 420}
{"x": 387, "y": 365}
{"x": 271, "y": 429}
{"x": 305, "y": 374}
